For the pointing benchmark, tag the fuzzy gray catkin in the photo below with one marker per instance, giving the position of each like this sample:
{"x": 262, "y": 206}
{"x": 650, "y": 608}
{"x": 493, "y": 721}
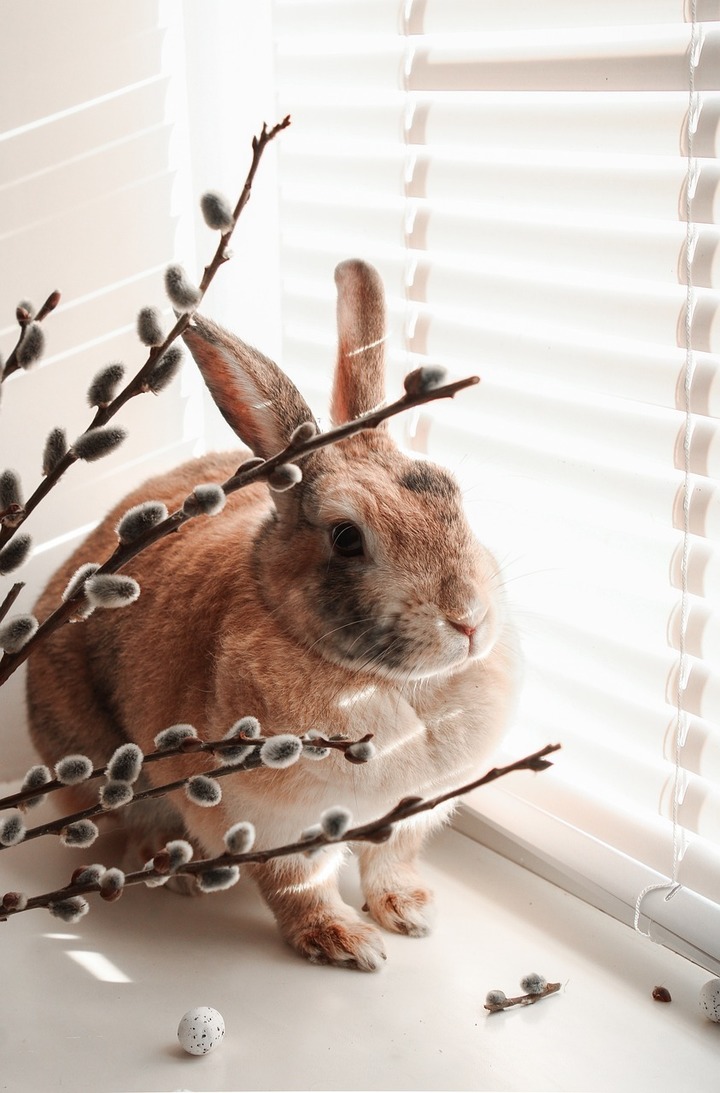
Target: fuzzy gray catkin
{"x": 203, "y": 791}
{"x": 207, "y": 499}
{"x": 69, "y": 910}
{"x": 80, "y": 834}
{"x": 78, "y": 579}
{"x": 10, "y": 490}
{"x": 165, "y": 370}
{"x": 111, "y": 590}
{"x": 173, "y": 736}
{"x": 90, "y": 874}
{"x": 149, "y": 326}
{"x": 115, "y": 795}
{"x": 360, "y": 752}
{"x": 281, "y": 751}
{"x": 284, "y": 477}
{"x": 56, "y": 447}
{"x": 335, "y": 822}
{"x": 16, "y": 632}
{"x": 14, "y": 553}
{"x": 96, "y": 443}
{"x": 239, "y": 838}
{"x": 36, "y": 777}
{"x": 217, "y": 211}
{"x": 182, "y": 293}
{"x": 218, "y": 879}
{"x": 125, "y": 764}
{"x": 73, "y": 769}
{"x": 424, "y": 380}
{"x": 139, "y": 519}
{"x": 179, "y": 852}
{"x": 32, "y": 345}
{"x": 12, "y": 830}
{"x": 112, "y": 883}
{"x": 102, "y": 389}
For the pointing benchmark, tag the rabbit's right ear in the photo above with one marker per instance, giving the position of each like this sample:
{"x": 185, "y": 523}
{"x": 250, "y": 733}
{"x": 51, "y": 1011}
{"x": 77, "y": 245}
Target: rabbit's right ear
{"x": 359, "y": 384}
{"x": 254, "y": 396}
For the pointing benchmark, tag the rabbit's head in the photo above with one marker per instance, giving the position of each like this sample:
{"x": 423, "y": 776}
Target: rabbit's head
{"x": 369, "y": 560}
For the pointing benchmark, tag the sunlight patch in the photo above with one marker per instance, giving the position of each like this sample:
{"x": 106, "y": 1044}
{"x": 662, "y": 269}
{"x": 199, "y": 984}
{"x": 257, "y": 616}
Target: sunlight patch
{"x": 98, "y": 966}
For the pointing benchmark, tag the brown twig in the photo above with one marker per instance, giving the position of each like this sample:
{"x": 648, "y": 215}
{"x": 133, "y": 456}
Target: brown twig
{"x": 10, "y": 598}
{"x": 374, "y": 832}
{"x": 138, "y": 384}
{"x": 125, "y": 552}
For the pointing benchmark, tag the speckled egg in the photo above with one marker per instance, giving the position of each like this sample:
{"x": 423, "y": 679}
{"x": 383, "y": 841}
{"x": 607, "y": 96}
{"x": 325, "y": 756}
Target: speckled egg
{"x": 710, "y": 1000}
{"x": 200, "y": 1030}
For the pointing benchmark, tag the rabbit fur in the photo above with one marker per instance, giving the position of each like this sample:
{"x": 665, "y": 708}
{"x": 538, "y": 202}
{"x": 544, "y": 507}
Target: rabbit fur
{"x": 357, "y": 601}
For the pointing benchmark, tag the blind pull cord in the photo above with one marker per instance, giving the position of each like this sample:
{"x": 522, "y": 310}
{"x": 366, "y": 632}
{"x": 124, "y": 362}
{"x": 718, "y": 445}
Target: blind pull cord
{"x": 673, "y": 885}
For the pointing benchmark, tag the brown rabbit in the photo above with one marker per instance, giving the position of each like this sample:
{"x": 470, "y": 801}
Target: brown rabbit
{"x": 357, "y": 601}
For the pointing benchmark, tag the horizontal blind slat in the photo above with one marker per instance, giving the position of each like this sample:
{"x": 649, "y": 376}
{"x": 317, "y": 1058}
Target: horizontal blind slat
{"x": 627, "y": 186}
{"x": 642, "y": 58}
{"x": 646, "y": 123}
{"x": 296, "y": 16}
{"x": 649, "y": 251}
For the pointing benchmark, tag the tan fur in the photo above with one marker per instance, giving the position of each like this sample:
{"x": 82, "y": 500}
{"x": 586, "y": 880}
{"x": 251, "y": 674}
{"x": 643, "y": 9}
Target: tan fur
{"x": 240, "y": 615}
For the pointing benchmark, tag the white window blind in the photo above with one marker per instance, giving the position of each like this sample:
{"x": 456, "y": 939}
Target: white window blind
{"x": 539, "y": 186}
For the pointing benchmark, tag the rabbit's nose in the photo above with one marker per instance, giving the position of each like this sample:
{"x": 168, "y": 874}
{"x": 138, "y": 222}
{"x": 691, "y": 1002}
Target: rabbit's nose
{"x": 465, "y": 628}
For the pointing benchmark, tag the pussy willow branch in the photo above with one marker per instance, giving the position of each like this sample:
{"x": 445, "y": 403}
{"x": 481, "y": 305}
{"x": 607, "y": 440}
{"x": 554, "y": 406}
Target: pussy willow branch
{"x": 190, "y": 745}
{"x": 138, "y": 384}
{"x": 125, "y": 552}
{"x": 374, "y": 832}
{"x": 93, "y": 812}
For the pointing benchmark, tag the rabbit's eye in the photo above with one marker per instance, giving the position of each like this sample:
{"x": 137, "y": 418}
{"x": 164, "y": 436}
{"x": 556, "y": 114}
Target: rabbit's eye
{"x": 346, "y": 540}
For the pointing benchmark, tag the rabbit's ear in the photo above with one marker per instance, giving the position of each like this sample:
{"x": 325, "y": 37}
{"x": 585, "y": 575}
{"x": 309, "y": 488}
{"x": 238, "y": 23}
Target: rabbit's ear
{"x": 360, "y": 372}
{"x": 254, "y": 396}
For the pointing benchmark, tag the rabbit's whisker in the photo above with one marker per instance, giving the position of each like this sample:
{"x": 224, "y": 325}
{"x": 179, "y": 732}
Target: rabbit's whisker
{"x": 370, "y": 619}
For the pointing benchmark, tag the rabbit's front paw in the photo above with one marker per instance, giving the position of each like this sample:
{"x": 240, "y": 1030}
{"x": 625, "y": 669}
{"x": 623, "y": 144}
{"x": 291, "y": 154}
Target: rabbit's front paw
{"x": 344, "y": 941}
{"x": 402, "y": 910}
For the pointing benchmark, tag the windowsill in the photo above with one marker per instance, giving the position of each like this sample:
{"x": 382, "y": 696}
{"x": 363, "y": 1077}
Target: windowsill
{"x": 418, "y": 1024}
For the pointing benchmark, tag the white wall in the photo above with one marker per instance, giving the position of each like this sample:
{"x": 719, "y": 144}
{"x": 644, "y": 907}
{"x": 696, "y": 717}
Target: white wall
{"x": 109, "y": 131}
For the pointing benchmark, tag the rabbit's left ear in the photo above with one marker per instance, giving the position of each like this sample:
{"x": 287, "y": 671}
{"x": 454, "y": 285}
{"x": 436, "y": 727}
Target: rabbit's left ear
{"x": 255, "y": 397}
{"x": 359, "y": 383}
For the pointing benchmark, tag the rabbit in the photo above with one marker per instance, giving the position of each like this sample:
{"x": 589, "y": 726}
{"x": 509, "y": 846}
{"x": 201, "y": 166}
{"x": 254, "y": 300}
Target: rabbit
{"x": 357, "y": 601}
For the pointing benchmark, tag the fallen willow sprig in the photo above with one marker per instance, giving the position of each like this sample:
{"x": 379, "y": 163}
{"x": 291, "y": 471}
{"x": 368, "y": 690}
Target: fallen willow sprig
{"x": 421, "y": 386}
{"x": 142, "y": 382}
{"x": 535, "y": 987}
{"x": 222, "y": 871}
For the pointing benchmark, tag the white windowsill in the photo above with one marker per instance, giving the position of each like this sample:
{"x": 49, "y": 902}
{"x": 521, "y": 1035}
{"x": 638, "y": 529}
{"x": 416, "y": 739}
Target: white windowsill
{"x": 418, "y": 1024}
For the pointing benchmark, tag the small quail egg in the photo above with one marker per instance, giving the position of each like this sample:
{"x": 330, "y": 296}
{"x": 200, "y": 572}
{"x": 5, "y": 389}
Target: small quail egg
{"x": 200, "y": 1030}
{"x": 710, "y": 1000}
